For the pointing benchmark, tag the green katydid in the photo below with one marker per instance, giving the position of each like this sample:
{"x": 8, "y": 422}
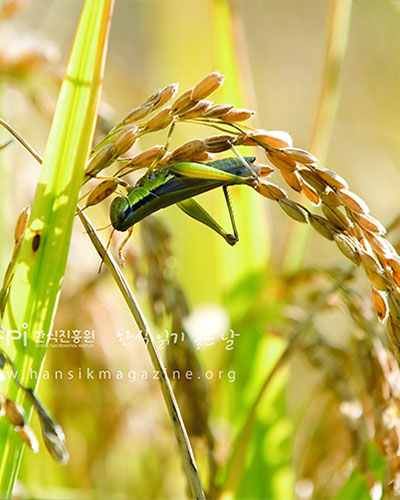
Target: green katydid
{"x": 177, "y": 184}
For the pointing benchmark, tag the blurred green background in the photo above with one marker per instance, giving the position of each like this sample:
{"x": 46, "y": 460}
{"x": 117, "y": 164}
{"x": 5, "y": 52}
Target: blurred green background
{"x": 300, "y": 443}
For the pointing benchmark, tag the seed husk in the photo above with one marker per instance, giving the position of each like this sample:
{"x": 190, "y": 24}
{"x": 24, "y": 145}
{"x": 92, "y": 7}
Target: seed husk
{"x": 124, "y": 139}
{"x": 219, "y": 143}
{"x": 394, "y": 262}
{"x": 369, "y": 261}
{"x": 15, "y": 413}
{"x": 204, "y": 157}
{"x": 300, "y": 155}
{"x": 273, "y": 138}
{"x": 29, "y": 437}
{"x": 313, "y": 179}
{"x": 271, "y": 191}
{"x": 218, "y": 110}
{"x": 145, "y": 158}
{"x": 54, "y": 439}
{"x": 293, "y": 209}
{"x": 188, "y": 150}
{"x": 322, "y": 225}
{"x": 21, "y": 224}
{"x": 329, "y": 197}
{"x": 137, "y": 114}
{"x": 394, "y": 307}
{"x": 183, "y": 103}
{"x": 353, "y": 201}
{"x": 282, "y": 162}
{"x": 198, "y": 110}
{"x": 207, "y": 86}
{"x": 381, "y": 246}
{"x": 101, "y": 159}
{"x": 336, "y": 217}
{"x": 311, "y": 194}
{"x": 332, "y": 178}
{"x": 166, "y": 94}
{"x": 101, "y": 192}
{"x": 378, "y": 280}
{"x": 396, "y": 277}
{"x": 237, "y": 115}
{"x": 348, "y": 247}
{"x": 369, "y": 223}
{"x": 165, "y": 160}
{"x": 293, "y": 180}
{"x": 393, "y": 330}
{"x": 264, "y": 170}
{"x": 144, "y": 109}
{"x": 160, "y": 120}
{"x": 379, "y": 303}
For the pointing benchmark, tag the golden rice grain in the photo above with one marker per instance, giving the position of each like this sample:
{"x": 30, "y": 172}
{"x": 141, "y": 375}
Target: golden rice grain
{"x": 311, "y": 194}
{"x": 204, "y": 157}
{"x": 293, "y": 209}
{"x": 379, "y": 303}
{"x": 293, "y": 180}
{"x": 219, "y": 143}
{"x": 207, "y": 86}
{"x": 271, "y": 191}
{"x": 101, "y": 159}
{"x": 198, "y": 110}
{"x": 329, "y": 197}
{"x": 183, "y": 103}
{"x": 336, "y": 217}
{"x": 331, "y": 178}
{"x": 28, "y": 436}
{"x": 353, "y": 201}
{"x": 348, "y": 247}
{"x": 378, "y": 280}
{"x": 15, "y": 413}
{"x": 281, "y": 161}
{"x": 237, "y": 115}
{"x": 160, "y": 120}
{"x": 101, "y": 192}
{"x": 146, "y": 158}
{"x": 273, "y": 138}
{"x": 322, "y": 225}
{"x": 166, "y": 94}
{"x": 218, "y": 110}
{"x": 369, "y": 223}
{"x": 368, "y": 261}
{"x": 124, "y": 139}
{"x": 300, "y": 155}
{"x": 264, "y": 170}
{"x": 21, "y": 224}
{"x": 313, "y": 179}
{"x": 188, "y": 150}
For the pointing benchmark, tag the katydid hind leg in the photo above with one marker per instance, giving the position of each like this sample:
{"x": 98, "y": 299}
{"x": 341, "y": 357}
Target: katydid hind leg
{"x": 197, "y": 212}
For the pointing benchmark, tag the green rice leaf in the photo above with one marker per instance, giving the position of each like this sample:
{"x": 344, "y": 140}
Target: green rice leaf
{"x": 39, "y": 274}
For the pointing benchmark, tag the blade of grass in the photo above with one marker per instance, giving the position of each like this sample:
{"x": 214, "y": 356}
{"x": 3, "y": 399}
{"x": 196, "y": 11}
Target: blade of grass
{"x": 169, "y": 398}
{"x": 230, "y": 58}
{"x": 38, "y": 276}
{"x": 337, "y": 35}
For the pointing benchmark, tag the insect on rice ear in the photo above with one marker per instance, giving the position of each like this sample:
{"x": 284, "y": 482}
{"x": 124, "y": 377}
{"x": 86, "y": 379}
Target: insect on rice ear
{"x": 36, "y": 242}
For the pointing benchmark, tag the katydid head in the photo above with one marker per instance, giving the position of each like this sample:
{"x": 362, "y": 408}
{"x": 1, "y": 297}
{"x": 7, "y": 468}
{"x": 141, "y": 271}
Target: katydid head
{"x": 118, "y": 213}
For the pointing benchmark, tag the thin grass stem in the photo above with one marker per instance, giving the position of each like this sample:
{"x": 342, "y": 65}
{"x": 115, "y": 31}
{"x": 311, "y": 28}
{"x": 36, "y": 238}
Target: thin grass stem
{"x": 169, "y": 398}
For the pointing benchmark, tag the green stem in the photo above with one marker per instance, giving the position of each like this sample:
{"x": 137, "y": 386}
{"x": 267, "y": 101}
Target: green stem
{"x": 184, "y": 446}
